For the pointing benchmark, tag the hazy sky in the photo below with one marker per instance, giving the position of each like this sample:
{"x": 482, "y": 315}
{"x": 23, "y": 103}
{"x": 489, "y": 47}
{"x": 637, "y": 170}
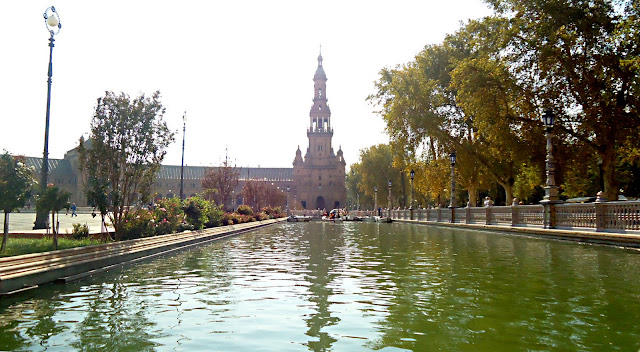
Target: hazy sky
{"x": 242, "y": 70}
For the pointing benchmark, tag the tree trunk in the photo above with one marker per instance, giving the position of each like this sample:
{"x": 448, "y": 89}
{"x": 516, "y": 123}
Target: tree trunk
{"x": 508, "y": 190}
{"x": 103, "y": 228}
{"x": 54, "y": 230}
{"x": 117, "y": 222}
{"x": 6, "y": 232}
{"x": 473, "y": 196}
{"x": 608, "y": 155}
{"x": 404, "y": 191}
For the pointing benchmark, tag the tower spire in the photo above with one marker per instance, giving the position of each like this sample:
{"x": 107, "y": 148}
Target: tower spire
{"x": 320, "y": 114}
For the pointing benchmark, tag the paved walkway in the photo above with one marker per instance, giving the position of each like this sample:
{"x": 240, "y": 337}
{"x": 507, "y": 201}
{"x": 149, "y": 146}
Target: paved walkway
{"x": 23, "y": 222}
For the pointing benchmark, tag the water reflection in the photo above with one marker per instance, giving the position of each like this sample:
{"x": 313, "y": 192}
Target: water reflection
{"x": 320, "y": 262}
{"x": 345, "y": 287}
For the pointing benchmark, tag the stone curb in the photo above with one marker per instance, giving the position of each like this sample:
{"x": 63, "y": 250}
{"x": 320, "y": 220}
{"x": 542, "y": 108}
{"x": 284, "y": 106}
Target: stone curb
{"x": 28, "y": 271}
{"x": 631, "y": 240}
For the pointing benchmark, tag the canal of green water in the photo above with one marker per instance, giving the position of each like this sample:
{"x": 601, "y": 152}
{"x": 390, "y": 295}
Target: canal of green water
{"x": 345, "y": 287}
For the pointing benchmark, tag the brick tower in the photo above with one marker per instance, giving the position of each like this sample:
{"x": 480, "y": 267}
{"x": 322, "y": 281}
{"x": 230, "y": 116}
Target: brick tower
{"x": 319, "y": 178}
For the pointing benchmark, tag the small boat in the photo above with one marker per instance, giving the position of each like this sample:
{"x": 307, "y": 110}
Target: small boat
{"x": 353, "y": 218}
{"x": 298, "y": 218}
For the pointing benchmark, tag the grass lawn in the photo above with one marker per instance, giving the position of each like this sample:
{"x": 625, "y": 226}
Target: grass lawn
{"x": 18, "y": 246}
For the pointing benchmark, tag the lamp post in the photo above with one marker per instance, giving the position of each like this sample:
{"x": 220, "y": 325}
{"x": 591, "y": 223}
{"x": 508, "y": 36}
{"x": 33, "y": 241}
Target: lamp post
{"x": 550, "y": 190}
{"x": 184, "y": 130}
{"x": 412, "y": 174}
{"x": 389, "y": 201}
{"x": 551, "y": 197}
{"x": 288, "y": 190}
{"x": 52, "y": 22}
{"x": 375, "y": 199}
{"x": 452, "y": 159}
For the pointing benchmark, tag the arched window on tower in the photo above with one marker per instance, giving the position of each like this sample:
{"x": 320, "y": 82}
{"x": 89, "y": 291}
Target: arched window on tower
{"x": 320, "y": 92}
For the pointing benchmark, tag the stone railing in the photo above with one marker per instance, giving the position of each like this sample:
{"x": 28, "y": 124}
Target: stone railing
{"x": 609, "y": 216}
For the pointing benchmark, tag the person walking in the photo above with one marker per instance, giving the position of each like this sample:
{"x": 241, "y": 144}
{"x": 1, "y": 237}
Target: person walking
{"x": 73, "y": 210}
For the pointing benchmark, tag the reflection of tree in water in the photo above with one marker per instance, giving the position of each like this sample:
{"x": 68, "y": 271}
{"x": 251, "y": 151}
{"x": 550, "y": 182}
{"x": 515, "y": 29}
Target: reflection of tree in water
{"x": 321, "y": 252}
{"x": 118, "y": 317}
{"x": 456, "y": 289}
{"x": 36, "y": 315}
{"x": 116, "y": 321}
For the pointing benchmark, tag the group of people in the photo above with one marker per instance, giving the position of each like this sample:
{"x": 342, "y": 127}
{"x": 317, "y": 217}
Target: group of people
{"x": 333, "y": 214}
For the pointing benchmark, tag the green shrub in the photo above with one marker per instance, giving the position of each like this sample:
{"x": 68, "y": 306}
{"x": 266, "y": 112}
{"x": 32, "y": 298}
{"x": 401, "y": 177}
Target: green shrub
{"x": 185, "y": 227}
{"x": 245, "y": 210}
{"x": 214, "y": 216}
{"x": 138, "y": 223}
{"x": 80, "y": 231}
{"x": 226, "y": 219}
{"x": 168, "y": 215}
{"x": 196, "y": 210}
{"x": 273, "y": 213}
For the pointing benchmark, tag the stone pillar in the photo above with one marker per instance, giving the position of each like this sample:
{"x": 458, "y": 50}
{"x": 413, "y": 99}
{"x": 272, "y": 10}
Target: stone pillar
{"x": 487, "y": 219}
{"x": 601, "y": 212}
{"x": 550, "y": 217}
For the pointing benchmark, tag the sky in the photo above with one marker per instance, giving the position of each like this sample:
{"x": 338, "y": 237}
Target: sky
{"x": 242, "y": 70}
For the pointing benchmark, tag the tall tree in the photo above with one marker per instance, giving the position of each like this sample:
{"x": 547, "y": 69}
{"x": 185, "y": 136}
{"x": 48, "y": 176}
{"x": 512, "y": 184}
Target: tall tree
{"x": 582, "y": 56}
{"x": 459, "y": 96}
{"x": 260, "y": 194}
{"x": 220, "y": 182}
{"x": 128, "y": 142}
{"x": 355, "y": 194}
{"x": 16, "y": 183}
{"x": 53, "y": 200}
{"x": 375, "y": 169}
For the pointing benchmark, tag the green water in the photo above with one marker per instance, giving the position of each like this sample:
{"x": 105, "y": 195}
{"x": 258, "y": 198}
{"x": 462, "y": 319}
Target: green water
{"x": 345, "y": 287}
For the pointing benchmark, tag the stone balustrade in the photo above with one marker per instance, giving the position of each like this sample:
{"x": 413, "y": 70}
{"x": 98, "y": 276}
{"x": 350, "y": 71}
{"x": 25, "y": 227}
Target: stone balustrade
{"x": 609, "y": 216}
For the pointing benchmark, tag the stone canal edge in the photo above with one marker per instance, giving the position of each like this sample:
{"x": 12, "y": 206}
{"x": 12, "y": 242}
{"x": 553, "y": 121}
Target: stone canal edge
{"x": 620, "y": 239}
{"x": 28, "y": 271}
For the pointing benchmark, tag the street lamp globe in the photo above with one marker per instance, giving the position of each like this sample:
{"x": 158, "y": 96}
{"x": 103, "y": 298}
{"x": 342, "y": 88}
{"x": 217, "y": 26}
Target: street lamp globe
{"x": 413, "y": 174}
{"x": 452, "y": 158}
{"x": 547, "y": 118}
{"x": 52, "y": 19}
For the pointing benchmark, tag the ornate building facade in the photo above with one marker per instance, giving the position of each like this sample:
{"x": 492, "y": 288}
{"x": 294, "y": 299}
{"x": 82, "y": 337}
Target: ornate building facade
{"x": 319, "y": 177}
{"x": 65, "y": 173}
